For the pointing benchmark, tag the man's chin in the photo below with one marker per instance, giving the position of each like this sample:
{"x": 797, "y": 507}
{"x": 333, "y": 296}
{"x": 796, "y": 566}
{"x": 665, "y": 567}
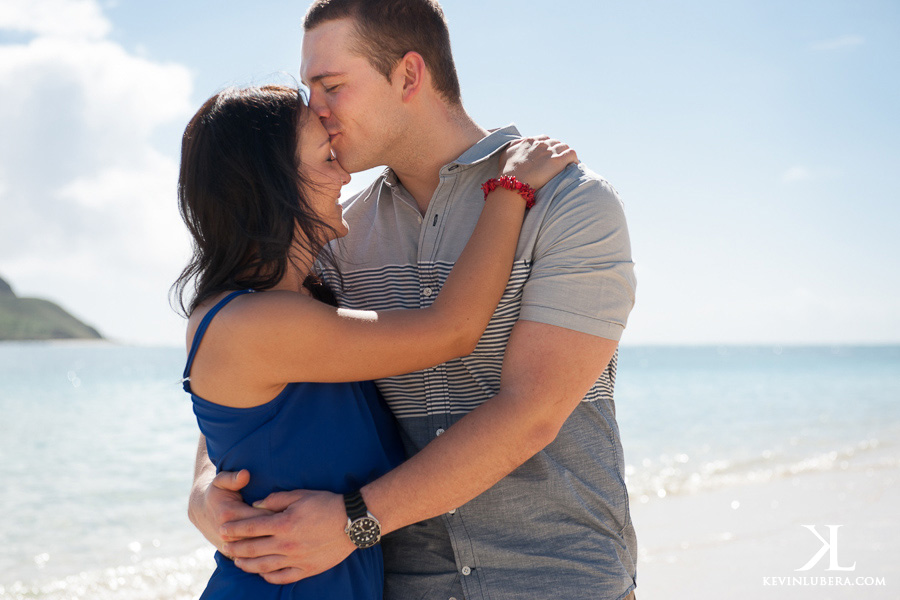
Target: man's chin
{"x": 353, "y": 164}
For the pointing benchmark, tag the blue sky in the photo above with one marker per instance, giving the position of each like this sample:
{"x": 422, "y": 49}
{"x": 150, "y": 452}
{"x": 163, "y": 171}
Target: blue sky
{"x": 755, "y": 145}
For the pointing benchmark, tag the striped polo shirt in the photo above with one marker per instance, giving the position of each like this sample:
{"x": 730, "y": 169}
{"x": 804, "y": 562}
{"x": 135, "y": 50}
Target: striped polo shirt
{"x": 559, "y": 525}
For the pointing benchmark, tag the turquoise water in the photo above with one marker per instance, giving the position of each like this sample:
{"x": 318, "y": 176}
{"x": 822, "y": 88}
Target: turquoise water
{"x": 701, "y": 418}
{"x": 97, "y": 444}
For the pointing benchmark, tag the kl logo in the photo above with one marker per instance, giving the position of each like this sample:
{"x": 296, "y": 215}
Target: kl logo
{"x": 830, "y": 547}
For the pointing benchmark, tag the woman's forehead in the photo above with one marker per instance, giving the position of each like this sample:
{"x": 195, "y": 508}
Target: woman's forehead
{"x": 313, "y": 135}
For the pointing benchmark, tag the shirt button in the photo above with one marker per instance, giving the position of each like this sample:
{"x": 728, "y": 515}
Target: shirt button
{"x": 466, "y": 571}
{"x": 452, "y": 512}
{"x": 427, "y": 292}
{"x": 439, "y": 431}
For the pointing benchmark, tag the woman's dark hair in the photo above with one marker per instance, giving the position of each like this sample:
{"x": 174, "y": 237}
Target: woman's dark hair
{"x": 241, "y": 194}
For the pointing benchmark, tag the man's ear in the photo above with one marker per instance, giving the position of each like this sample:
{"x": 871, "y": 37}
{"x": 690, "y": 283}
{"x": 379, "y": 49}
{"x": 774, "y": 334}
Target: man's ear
{"x": 412, "y": 73}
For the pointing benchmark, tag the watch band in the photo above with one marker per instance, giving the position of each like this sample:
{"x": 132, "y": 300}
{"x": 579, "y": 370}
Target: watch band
{"x": 355, "y": 505}
{"x": 363, "y": 529}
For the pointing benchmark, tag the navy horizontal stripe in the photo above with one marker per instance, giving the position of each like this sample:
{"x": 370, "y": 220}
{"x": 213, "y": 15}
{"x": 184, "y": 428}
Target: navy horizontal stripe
{"x": 466, "y": 382}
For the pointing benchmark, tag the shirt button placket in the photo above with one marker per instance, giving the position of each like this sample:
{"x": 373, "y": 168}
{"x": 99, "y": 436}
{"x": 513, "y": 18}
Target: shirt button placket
{"x": 428, "y": 375}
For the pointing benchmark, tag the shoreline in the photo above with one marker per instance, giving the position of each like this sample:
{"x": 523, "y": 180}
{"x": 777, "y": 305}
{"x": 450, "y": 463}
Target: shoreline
{"x": 751, "y": 541}
{"x": 743, "y": 543}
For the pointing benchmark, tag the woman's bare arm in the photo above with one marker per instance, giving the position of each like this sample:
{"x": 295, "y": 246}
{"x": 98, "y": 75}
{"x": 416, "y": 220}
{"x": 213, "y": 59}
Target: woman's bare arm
{"x": 262, "y": 341}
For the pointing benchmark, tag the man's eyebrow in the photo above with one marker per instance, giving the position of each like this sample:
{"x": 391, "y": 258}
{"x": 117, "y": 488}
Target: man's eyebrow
{"x": 322, "y": 76}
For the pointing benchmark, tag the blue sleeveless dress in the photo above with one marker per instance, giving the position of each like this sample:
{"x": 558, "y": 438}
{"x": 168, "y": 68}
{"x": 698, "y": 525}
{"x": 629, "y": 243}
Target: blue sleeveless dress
{"x": 317, "y": 436}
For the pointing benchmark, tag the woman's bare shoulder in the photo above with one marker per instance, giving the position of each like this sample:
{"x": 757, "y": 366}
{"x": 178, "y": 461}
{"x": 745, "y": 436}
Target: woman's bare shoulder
{"x": 257, "y": 311}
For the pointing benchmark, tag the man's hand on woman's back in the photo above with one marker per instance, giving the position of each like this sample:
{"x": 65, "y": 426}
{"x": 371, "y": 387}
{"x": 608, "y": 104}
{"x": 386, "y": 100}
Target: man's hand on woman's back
{"x": 217, "y": 501}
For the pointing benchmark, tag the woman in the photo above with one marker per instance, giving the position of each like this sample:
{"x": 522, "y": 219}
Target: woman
{"x": 274, "y": 367}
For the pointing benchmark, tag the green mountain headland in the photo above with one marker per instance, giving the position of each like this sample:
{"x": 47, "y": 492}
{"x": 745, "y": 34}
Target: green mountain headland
{"x": 36, "y": 319}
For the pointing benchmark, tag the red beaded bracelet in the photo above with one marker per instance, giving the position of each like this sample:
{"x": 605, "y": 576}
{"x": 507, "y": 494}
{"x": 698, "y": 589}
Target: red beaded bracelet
{"x": 511, "y": 183}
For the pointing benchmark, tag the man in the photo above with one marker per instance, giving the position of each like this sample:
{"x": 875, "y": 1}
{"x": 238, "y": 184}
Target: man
{"x": 514, "y": 487}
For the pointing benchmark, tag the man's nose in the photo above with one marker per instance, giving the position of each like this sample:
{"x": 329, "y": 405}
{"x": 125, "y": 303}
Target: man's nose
{"x": 318, "y": 105}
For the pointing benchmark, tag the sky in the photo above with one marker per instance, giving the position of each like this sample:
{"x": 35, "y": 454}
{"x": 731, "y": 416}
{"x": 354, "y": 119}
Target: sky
{"x": 753, "y": 143}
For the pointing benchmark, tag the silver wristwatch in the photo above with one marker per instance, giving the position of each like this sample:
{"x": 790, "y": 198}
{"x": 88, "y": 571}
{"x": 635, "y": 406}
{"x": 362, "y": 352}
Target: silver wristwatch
{"x": 363, "y": 528}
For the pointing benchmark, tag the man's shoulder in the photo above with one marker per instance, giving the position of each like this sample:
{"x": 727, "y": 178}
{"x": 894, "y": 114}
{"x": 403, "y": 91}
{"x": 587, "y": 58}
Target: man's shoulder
{"x": 578, "y": 185}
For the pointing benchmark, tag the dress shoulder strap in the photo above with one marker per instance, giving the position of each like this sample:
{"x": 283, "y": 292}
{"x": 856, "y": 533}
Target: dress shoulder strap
{"x": 198, "y": 336}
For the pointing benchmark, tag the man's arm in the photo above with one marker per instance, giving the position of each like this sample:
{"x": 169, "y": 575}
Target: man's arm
{"x": 547, "y": 370}
{"x": 216, "y": 499}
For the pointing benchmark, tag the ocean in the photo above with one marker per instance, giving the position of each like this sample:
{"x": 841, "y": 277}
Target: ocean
{"x": 97, "y": 443}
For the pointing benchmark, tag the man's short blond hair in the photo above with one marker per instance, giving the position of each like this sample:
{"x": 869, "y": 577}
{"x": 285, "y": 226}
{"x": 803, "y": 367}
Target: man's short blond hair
{"x": 387, "y": 29}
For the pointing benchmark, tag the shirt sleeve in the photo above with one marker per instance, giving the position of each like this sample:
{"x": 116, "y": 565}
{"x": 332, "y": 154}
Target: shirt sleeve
{"x": 582, "y": 275}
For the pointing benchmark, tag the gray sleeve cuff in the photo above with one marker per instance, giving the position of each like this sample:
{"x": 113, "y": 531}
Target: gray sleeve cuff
{"x": 573, "y": 321}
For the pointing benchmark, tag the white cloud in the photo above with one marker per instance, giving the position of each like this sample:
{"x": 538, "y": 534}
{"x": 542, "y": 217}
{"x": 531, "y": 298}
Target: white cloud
{"x": 88, "y": 202}
{"x": 844, "y": 41}
{"x": 796, "y": 174}
{"x": 80, "y": 19}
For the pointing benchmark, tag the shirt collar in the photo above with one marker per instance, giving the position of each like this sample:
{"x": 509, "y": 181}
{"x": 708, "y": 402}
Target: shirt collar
{"x": 488, "y": 145}
{"x": 390, "y": 178}
{"x": 483, "y": 149}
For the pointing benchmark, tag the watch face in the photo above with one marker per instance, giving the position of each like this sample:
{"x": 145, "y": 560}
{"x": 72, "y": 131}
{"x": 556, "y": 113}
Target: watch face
{"x": 364, "y": 532}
